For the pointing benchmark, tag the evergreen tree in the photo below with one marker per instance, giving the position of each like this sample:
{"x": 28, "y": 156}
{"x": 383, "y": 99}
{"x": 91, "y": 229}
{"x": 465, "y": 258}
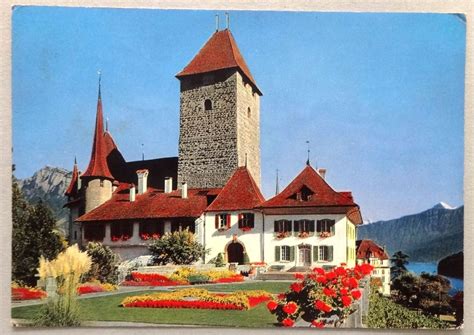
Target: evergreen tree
{"x": 399, "y": 261}
{"x": 104, "y": 263}
{"x": 34, "y": 234}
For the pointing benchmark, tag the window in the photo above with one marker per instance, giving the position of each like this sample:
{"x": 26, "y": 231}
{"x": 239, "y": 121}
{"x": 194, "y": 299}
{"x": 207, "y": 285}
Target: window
{"x": 75, "y": 234}
{"x": 151, "y": 229}
{"x": 101, "y": 183}
{"x": 284, "y": 253}
{"x": 325, "y": 253}
{"x": 94, "y": 232}
{"x": 282, "y": 226}
{"x": 207, "y": 104}
{"x": 246, "y": 221}
{"x": 222, "y": 221}
{"x": 325, "y": 226}
{"x": 249, "y": 112}
{"x": 304, "y": 194}
{"x": 121, "y": 230}
{"x": 304, "y": 227}
{"x": 177, "y": 226}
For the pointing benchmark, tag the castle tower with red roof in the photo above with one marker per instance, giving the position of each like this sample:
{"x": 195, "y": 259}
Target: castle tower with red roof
{"x": 97, "y": 179}
{"x": 219, "y": 115}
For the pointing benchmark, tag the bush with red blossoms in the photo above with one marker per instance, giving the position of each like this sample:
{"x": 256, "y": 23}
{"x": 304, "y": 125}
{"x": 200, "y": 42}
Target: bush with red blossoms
{"x": 321, "y": 297}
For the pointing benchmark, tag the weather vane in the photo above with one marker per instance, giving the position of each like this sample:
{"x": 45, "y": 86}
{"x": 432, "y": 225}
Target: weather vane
{"x": 307, "y": 161}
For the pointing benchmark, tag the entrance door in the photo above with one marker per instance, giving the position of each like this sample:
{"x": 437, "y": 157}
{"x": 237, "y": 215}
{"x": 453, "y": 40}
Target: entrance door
{"x": 305, "y": 255}
{"x": 235, "y": 253}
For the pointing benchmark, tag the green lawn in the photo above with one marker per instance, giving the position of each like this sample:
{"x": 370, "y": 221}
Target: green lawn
{"x": 108, "y": 309}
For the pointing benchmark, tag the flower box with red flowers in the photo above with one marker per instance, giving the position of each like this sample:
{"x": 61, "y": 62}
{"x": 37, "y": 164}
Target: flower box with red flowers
{"x": 115, "y": 238}
{"x": 145, "y": 236}
{"x": 282, "y": 234}
{"x": 325, "y": 234}
{"x": 303, "y": 234}
{"x": 245, "y": 229}
{"x": 125, "y": 238}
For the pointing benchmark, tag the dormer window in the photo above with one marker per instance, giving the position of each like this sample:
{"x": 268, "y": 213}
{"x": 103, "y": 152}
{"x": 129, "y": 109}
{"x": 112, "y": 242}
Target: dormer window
{"x": 304, "y": 194}
{"x": 207, "y": 104}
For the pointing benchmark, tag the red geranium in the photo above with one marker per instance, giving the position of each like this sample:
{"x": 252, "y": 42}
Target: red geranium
{"x": 319, "y": 271}
{"x": 272, "y": 305}
{"x": 331, "y": 275}
{"x": 299, "y": 276}
{"x": 356, "y": 294}
{"x": 346, "y": 300}
{"x": 322, "y": 306}
{"x": 317, "y": 324}
{"x": 290, "y": 308}
{"x": 288, "y": 322}
{"x": 321, "y": 279}
{"x": 340, "y": 271}
{"x": 296, "y": 287}
{"x": 329, "y": 292}
{"x": 344, "y": 291}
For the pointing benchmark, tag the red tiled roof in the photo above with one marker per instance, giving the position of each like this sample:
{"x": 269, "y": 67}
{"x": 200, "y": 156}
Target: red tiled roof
{"x": 369, "y": 249}
{"x": 219, "y": 52}
{"x": 153, "y": 204}
{"x": 101, "y": 147}
{"x": 72, "y": 189}
{"x": 323, "y": 194}
{"x": 240, "y": 192}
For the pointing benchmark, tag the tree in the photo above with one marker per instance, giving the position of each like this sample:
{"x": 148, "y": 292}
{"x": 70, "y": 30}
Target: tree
{"x": 434, "y": 294}
{"x": 399, "y": 261}
{"x": 34, "y": 235}
{"x": 104, "y": 263}
{"x": 179, "y": 247}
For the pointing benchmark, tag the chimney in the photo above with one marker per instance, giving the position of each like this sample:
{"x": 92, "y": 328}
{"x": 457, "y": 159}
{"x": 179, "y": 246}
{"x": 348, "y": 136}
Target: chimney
{"x": 168, "y": 185}
{"x": 322, "y": 173}
{"x": 142, "y": 180}
{"x": 132, "y": 193}
{"x": 184, "y": 190}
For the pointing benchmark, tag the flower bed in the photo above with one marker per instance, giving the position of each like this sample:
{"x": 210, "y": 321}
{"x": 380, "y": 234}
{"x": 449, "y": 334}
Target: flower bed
{"x": 151, "y": 279}
{"x": 319, "y": 296}
{"x": 27, "y": 293}
{"x": 95, "y": 287}
{"x": 198, "y": 298}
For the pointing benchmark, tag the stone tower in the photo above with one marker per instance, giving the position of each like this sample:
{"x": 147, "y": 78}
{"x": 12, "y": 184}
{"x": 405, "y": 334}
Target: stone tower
{"x": 219, "y": 115}
{"x": 97, "y": 179}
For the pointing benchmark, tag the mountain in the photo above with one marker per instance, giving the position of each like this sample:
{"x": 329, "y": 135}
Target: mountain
{"x": 426, "y": 237}
{"x": 49, "y": 185}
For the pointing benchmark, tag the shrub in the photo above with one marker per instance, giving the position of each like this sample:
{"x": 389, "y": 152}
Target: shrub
{"x": 198, "y": 279}
{"x": 179, "y": 247}
{"x": 104, "y": 263}
{"x": 219, "y": 260}
{"x": 66, "y": 269}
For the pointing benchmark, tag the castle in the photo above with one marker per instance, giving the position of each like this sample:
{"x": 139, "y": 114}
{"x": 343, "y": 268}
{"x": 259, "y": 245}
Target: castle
{"x": 213, "y": 186}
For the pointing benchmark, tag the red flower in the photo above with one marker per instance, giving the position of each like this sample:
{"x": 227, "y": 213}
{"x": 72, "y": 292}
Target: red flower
{"x": 331, "y": 275}
{"x": 329, "y": 292}
{"x": 344, "y": 291}
{"x": 321, "y": 279}
{"x": 272, "y": 305}
{"x": 340, "y": 271}
{"x": 319, "y": 271}
{"x": 288, "y": 322}
{"x": 365, "y": 268}
{"x": 290, "y": 308}
{"x": 322, "y": 306}
{"x": 317, "y": 324}
{"x": 350, "y": 282}
{"x": 356, "y": 294}
{"x": 281, "y": 296}
{"x": 296, "y": 287}
{"x": 346, "y": 300}
{"x": 299, "y": 276}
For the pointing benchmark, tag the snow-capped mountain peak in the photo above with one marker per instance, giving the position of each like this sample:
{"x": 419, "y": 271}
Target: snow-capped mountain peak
{"x": 443, "y": 205}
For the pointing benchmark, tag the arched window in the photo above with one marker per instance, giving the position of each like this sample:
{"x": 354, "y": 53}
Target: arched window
{"x": 208, "y": 105}
{"x": 249, "y": 112}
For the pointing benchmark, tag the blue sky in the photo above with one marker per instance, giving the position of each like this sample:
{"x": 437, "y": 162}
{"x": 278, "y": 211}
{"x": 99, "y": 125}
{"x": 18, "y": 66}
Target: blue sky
{"x": 380, "y": 97}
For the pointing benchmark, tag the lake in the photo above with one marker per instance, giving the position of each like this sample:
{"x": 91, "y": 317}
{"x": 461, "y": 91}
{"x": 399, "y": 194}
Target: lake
{"x": 418, "y": 268}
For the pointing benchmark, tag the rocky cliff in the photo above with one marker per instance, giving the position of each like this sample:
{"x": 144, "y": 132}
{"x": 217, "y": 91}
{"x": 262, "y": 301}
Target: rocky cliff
{"x": 49, "y": 185}
{"x": 426, "y": 237}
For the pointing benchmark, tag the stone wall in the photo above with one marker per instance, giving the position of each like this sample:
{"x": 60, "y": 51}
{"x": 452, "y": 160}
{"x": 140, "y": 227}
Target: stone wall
{"x": 213, "y": 143}
{"x": 96, "y": 193}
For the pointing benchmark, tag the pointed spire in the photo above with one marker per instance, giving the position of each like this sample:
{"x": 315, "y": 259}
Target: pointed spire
{"x": 307, "y": 160}
{"x": 98, "y": 164}
{"x": 73, "y": 186}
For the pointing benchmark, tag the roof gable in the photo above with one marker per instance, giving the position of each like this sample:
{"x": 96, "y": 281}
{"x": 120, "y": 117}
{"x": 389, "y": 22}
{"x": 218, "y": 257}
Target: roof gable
{"x": 314, "y": 191}
{"x": 240, "y": 192}
{"x": 220, "y": 52}
{"x": 369, "y": 249}
{"x": 72, "y": 188}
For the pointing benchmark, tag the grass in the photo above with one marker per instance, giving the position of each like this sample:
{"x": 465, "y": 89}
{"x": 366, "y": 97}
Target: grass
{"x": 108, "y": 308}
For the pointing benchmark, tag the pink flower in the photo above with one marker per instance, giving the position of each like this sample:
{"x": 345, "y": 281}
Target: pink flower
{"x": 288, "y": 322}
{"x": 290, "y": 308}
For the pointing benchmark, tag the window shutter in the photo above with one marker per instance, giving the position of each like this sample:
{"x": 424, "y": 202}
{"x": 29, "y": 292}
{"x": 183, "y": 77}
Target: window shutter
{"x": 240, "y": 222}
{"x": 252, "y": 220}
{"x": 287, "y": 225}
{"x": 275, "y": 226}
{"x": 292, "y": 254}
{"x": 277, "y": 254}
{"x": 318, "y": 226}
{"x": 311, "y": 226}
{"x": 315, "y": 253}
{"x": 217, "y": 221}
{"x": 330, "y": 252}
{"x": 227, "y": 220}
{"x": 332, "y": 224}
